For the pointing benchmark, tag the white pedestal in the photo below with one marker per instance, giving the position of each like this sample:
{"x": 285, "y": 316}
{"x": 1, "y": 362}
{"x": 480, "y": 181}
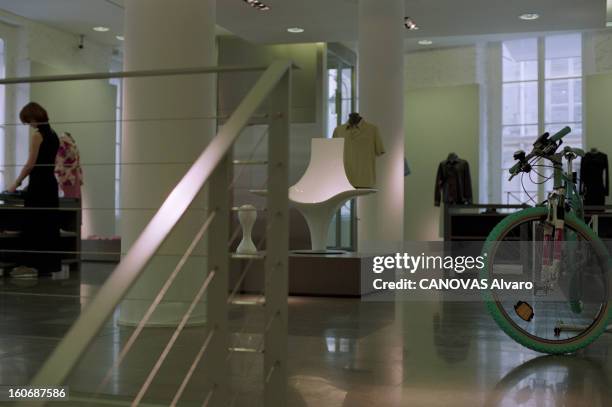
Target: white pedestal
{"x": 247, "y": 215}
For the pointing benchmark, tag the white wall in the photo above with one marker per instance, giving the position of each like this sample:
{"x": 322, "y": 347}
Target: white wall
{"x": 598, "y": 51}
{"x": 441, "y": 116}
{"x": 441, "y": 67}
{"x": 439, "y": 120}
{"x": 92, "y": 102}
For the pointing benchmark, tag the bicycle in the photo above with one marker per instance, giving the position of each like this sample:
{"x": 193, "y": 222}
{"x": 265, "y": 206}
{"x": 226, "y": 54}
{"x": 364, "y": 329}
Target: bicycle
{"x": 551, "y": 246}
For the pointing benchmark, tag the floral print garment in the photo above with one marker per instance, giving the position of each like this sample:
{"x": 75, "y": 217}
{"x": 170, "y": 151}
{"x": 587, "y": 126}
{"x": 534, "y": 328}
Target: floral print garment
{"x": 68, "y": 163}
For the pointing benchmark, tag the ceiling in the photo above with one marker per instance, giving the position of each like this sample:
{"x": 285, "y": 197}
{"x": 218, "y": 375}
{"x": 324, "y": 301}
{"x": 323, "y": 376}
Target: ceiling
{"x": 447, "y": 21}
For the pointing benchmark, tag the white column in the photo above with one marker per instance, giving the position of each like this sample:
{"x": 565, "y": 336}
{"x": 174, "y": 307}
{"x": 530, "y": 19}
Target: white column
{"x": 165, "y": 34}
{"x": 381, "y": 102}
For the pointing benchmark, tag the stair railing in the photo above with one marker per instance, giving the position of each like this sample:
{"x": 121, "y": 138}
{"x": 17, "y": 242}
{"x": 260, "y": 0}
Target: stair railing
{"x": 212, "y": 167}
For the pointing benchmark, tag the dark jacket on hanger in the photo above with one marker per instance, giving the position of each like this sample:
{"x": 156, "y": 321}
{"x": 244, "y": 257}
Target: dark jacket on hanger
{"x": 594, "y": 179}
{"x": 453, "y": 181}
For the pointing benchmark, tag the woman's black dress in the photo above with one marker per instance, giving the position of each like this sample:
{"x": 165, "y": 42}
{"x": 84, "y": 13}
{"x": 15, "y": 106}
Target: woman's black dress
{"x": 41, "y": 229}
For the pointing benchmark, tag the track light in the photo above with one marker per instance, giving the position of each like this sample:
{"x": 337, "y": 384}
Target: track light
{"x": 410, "y": 24}
{"x": 256, "y": 4}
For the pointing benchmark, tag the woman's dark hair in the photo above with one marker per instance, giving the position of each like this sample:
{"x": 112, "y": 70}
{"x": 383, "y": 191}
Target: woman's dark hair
{"x": 33, "y": 114}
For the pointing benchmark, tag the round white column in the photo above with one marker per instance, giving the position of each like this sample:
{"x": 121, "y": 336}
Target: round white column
{"x": 381, "y": 102}
{"x": 161, "y": 34}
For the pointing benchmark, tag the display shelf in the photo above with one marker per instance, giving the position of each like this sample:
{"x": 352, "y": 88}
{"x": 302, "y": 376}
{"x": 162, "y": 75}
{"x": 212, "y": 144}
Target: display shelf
{"x": 600, "y": 219}
{"x": 255, "y": 256}
{"x": 474, "y": 222}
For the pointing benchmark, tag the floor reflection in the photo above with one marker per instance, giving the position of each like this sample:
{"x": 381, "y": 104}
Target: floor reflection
{"x": 550, "y": 381}
{"x": 342, "y": 353}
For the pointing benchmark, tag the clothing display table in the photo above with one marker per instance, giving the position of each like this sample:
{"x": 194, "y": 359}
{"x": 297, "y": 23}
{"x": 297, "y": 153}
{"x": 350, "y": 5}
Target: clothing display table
{"x": 474, "y": 222}
{"x": 12, "y": 215}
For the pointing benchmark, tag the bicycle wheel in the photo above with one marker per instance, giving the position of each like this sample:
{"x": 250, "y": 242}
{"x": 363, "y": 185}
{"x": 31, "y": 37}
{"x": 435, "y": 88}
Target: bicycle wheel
{"x": 547, "y": 320}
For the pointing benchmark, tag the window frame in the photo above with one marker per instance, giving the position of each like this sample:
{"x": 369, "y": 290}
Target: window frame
{"x": 542, "y": 81}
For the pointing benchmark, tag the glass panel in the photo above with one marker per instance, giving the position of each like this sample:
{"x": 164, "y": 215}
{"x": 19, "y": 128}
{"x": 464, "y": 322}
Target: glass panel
{"x": 331, "y": 233}
{"x": 345, "y": 224}
{"x": 520, "y": 60}
{"x": 517, "y": 138}
{"x": 347, "y": 93}
{"x": 347, "y": 83}
{"x": 520, "y": 103}
{"x": 563, "y": 56}
{"x": 4, "y": 183}
{"x": 563, "y": 100}
{"x": 519, "y": 114}
{"x": 332, "y": 117}
{"x": 563, "y": 97}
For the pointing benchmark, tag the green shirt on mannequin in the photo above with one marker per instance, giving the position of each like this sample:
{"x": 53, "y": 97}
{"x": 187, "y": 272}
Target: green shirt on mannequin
{"x": 362, "y": 144}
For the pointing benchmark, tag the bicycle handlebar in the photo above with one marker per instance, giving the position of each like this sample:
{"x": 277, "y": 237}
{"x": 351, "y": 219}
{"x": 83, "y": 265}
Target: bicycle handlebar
{"x": 515, "y": 170}
{"x": 560, "y": 134}
{"x": 545, "y": 146}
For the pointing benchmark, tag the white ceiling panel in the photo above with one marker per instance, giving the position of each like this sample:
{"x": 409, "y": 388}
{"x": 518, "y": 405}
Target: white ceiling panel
{"x": 334, "y": 20}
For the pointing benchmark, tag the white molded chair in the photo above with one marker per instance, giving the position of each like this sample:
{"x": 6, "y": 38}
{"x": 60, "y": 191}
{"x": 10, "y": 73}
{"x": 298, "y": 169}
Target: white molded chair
{"x": 323, "y": 188}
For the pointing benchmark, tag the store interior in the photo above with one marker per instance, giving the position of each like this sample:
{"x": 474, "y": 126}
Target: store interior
{"x": 444, "y": 116}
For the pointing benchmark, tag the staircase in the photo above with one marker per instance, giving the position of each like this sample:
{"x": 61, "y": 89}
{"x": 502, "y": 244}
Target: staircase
{"x": 211, "y": 365}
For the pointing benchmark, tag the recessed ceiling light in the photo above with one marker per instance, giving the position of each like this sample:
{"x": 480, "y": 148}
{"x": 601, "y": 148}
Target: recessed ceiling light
{"x": 295, "y": 30}
{"x": 425, "y": 42}
{"x": 120, "y": 37}
{"x": 529, "y": 16}
{"x": 609, "y": 24}
{"x": 101, "y": 29}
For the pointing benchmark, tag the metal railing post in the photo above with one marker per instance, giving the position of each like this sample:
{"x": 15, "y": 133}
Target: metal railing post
{"x": 218, "y": 260}
{"x": 277, "y": 246}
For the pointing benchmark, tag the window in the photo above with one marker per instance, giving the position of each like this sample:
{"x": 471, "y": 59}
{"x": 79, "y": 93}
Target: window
{"x": 538, "y": 74}
{"x": 4, "y": 182}
{"x": 340, "y": 96}
{"x": 519, "y": 111}
{"x": 118, "y": 140}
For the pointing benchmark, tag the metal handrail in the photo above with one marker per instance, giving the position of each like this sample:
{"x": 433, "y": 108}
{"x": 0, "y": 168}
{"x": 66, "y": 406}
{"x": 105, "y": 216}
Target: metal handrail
{"x": 71, "y": 348}
{"x": 158, "y": 299}
{"x": 132, "y": 74}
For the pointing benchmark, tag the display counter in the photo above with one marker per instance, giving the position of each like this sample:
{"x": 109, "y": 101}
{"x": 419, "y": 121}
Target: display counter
{"x": 12, "y": 215}
{"x": 334, "y": 275}
{"x": 475, "y": 222}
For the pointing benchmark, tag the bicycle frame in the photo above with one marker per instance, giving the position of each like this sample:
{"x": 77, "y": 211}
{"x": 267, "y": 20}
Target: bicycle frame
{"x": 563, "y": 199}
{"x": 565, "y": 181}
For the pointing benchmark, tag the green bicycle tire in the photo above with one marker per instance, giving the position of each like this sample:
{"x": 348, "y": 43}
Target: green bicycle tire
{"x": 511, "y": 330}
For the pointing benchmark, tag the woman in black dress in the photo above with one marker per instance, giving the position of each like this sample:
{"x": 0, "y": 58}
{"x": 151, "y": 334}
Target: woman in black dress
{"x": 41, "y": 226}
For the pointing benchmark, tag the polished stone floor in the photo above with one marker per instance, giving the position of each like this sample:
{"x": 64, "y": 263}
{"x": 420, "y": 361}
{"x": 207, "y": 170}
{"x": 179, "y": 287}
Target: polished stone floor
{"x": 342, "y": 353}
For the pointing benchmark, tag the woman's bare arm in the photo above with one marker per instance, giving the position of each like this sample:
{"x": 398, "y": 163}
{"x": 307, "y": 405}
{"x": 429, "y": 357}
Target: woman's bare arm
{"x": 35, "y": 142}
